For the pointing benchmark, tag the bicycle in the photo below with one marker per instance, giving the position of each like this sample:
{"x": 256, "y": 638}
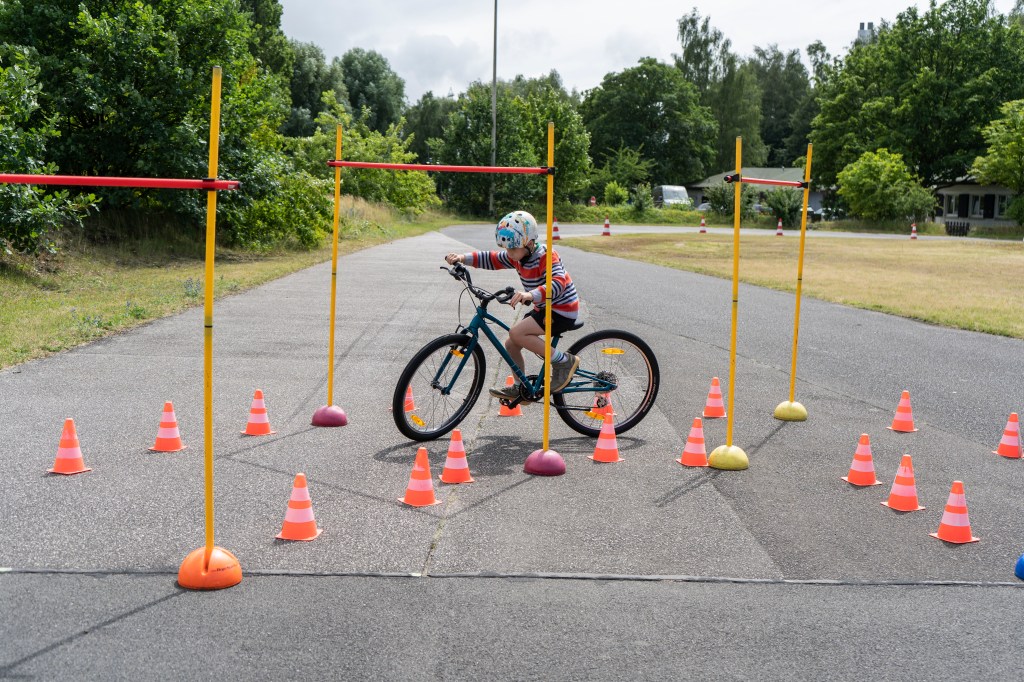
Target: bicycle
{"x": 442, "y": 381}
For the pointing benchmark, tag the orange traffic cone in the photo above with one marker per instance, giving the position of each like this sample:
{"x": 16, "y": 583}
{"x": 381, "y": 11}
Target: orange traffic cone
{"x": 456, "y": 469}
{"x": 1009, "y": 444}
{"x": 778, "y": 230}
{"x": 259, "y": 423}
{"x": 694, "y": 454}
{"x": 703, "y": 226}
{"x": 607, "y": 228}
{"x": 420, "y": 491}
{"x": 903, "y": 422}
{"x": 607, "y": 449}
{"x": 410, "y": 404}
{"x": 714, "y": 407}
{"x": 506, "y": 411}
{"x": 955, "y": 527}
{"x": 69, "y": 452}
{"x": 299, "y": 523}
{"x": 862, "y": 470}
{"x": 554, "y": 231}
{"x": 167, "y": 437}
{"x": 903, "y": 494}
{"x": 913, "y": 230}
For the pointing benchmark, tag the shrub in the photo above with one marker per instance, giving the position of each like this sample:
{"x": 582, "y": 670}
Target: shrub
{"x": 615, "y": 194}
{"x": 879, "y": 186}
{"x": 298, "y": 213}
{"x": 642, "y": 198}
{"x": 785, "y": 203}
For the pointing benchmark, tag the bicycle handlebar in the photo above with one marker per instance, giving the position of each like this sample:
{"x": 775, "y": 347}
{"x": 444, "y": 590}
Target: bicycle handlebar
{"x": 461, "y": 273}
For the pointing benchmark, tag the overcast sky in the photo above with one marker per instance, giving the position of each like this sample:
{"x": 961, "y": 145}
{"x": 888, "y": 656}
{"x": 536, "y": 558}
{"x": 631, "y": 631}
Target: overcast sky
{"x": 444, "y": 45}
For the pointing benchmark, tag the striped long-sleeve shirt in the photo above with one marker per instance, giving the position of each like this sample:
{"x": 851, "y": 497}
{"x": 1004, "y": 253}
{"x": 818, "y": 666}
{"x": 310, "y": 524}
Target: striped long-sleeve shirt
{"x": 533, "y": 274}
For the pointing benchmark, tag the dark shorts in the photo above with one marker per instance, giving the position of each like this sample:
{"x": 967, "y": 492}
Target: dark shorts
{"x": 560, "y": 324}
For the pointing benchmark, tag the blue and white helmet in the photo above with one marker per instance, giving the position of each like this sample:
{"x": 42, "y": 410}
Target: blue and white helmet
{"x": 515, "y": 230}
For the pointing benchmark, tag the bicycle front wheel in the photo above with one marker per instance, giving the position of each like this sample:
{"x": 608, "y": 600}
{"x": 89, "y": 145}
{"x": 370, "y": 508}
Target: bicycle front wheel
{"x": 438, "y": 387}
{"x": 616, "y": 357}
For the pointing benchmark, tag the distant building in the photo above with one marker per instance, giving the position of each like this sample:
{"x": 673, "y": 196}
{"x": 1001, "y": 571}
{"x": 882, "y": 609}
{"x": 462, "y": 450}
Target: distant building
{"x": 866, "y": 35}
{"x": 965, "y": 201}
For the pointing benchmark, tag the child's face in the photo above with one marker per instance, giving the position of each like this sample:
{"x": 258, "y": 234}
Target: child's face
{"x": 519, "y": 253}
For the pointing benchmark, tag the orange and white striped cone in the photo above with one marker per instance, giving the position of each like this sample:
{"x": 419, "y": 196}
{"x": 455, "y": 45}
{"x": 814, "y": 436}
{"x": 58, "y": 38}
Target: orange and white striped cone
{"x": 607, "y": 449}
{"x": 778, "y": 229}
{"x": 955, "y": 527}
{"x": 862, "y": 470}
{"x": 903, "y": 494}
{"x": 714, "y": 408}
{"x": 554, "y": 231}
{"x": 299, "y": 523}
{"x": 69, "y": 452}
{"x": 597, "y": 411}
{"x": 703, "y": 226}
{"x": 694, "y": 454}
{"x": 506, "y": 411}
{"x": 410, "y": 404}
{"x": 1009, "y": 444}
{"x": 167, "y": 437}
{"x": 913, "y": 230}
{"x": 259, "y": 422}
{"x": 903, "y": 422}
{"x": 456, "y": 468}
{"x": 420, "y": 491}
{"x": 607, "y": 228}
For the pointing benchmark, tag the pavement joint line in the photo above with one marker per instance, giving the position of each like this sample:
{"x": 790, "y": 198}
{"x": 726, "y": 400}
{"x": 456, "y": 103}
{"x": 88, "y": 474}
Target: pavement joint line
{"x": 540, "y": 575}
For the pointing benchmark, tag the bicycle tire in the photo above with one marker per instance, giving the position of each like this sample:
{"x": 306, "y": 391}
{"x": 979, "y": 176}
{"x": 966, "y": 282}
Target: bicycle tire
{"x": 637, "y": 374}
{"x": 435, "y": 414}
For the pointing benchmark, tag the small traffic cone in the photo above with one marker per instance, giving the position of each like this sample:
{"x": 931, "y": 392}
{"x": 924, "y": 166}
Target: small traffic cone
{"x": 554, "y": 231}
{"x": 607, "y": 228}
{"x": 703, "y": 226}
{"x": 955, "y": 527}
{"x": 299, "y": 523}
{"x": 862, "y": 470}
{"x": 903, "y": 494}
{"x": 607, "y": 449}
{"x": 420, "y": 491}
{"x": 456, "y": 468}
{"x": 1009, "y": 444}
{"x": 778, "y": 230}
{"x": 597, "y": 411}
{"x": 167, "y": 437}
{"x": 69, "y": 452}
{"x": 913, "y": 230}
{"x": 714, "y": 408}
{"x": 259, "y": 423}
{"x": 694, "y": 454}
{"x": 507, "y": 411}
{"x": 410, "y": 404}
{"x": 903, "y": 422}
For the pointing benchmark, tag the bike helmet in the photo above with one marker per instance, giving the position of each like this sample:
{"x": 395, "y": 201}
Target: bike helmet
{"x": 515, "y": 230}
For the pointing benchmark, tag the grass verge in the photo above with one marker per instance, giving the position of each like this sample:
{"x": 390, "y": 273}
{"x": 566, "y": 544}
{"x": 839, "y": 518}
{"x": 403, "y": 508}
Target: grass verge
{"x": 969, "y": 285}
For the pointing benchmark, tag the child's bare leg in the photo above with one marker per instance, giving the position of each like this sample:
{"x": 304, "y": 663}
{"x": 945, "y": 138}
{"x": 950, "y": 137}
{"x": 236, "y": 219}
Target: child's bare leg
{"x": 525, "y": 334}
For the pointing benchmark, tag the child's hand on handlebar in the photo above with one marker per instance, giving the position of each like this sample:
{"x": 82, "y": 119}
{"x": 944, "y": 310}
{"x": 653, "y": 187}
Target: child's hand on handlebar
{"x": 520, "y": 297}
{"x": 453, "y": 258}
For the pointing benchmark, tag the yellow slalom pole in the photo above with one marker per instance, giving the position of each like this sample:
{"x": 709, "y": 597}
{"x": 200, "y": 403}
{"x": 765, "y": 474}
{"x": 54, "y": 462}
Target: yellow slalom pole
{"x": 210, "y": 567}
{"x": 729, "y": 456}
{"x": 790, "y": 410}
{"x": 547, "y": 287}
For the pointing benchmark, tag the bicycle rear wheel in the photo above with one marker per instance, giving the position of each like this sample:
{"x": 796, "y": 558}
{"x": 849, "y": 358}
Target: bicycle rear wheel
{"x": 438, "y": 387}
{"x": 619, "y": 357}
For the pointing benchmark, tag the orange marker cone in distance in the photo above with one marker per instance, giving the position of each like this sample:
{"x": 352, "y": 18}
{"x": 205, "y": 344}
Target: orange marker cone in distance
{"x": 714, "y": 408}
{"x": 955, "y": 527}
{"x": 903, "y": 422}
{"x": 506, "y": 411}
{"x": 862, "y": 470}
{"x": 607, "y": 228}
{"x": 69, "y": 452}
{"x": 913, "y": 230}
{"x": 456, "y": 468}
{"x": 694, "y": 454}
{"x": 167, "y": 437}
{"x": 607, "y": 449}
{"x": 299, "y": 523}
{"x": 1009, "y": 444}
{"x": 778, "y": 230}
{"x": 903, "y": 494}
{"x": 703, "y": 226}
{"x": 259, "y": 422}
{"x": 410, "y": 404}
{"x": 554, "y": 230}
{"x": 420, "y": 491}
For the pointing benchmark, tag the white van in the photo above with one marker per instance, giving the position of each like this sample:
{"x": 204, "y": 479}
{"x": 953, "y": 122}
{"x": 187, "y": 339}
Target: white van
{"x": 670, "y": 194}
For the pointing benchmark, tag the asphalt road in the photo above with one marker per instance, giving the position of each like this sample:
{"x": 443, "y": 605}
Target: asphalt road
{"x": 636, "y": 570}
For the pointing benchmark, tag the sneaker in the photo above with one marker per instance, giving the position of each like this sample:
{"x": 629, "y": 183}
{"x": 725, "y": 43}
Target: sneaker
{"x": 561, "y": 372}
{"x": 506, "y": 392}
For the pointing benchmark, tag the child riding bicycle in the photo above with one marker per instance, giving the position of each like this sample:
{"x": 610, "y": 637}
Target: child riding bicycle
{"x": 516, "y": 234}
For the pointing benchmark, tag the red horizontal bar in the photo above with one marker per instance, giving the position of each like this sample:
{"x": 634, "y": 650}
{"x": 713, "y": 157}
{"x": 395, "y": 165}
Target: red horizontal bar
{"x": 432, "y": 167}
{"x": 782, "y": 183}
{"x": 100, "y": 181}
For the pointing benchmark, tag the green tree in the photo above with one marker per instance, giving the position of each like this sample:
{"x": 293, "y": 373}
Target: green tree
{"x": 311, "y": 77}
{"x": 879, "y": 186}
{"x": 425, "y": 120}
{"x": 267, "y": 42}
{"x": 572, "y": 141}
{"x": 705, "y": 51}
{"x": 785, "y": 203}
{"x": 652, "y": 108}
{"x": 624, "y": 166}
{"x": 372, "y": 85}
{"x": 785, "y": 86}
{"x": 1003, "y": 162}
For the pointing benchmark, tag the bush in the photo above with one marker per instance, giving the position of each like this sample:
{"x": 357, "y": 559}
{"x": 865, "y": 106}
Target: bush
{"x": 1016, "y": 210}
{"x": 722, "y": 198}
{"x": 642, "y": 198}
{"x": 298, "y": 213}
{"x": 615, "y": 194}
{"x": 787, "y": 204}
{"x": 879, "y": 186}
